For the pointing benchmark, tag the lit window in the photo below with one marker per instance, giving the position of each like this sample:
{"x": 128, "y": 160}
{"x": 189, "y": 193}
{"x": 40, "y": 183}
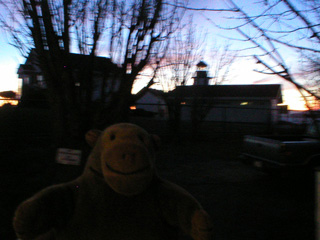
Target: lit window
{"x": 183, "y": 103}
{"x": 133, "y": 107}
{"x": 39, "y": 78}
{"x": 26, "y": 80}
{"x": 40, "y": 81}
{"x": 244, "y": 103}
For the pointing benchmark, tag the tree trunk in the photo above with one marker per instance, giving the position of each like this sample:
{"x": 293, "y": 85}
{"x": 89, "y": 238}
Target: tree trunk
{"x": 118, "y": 108}
{"x": 64, "y": 107}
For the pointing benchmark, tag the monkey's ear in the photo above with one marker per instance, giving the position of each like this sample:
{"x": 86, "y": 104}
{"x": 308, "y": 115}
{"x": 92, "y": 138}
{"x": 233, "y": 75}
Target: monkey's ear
{"x": 92, "y": 137}
{"x": 156, "y": 141}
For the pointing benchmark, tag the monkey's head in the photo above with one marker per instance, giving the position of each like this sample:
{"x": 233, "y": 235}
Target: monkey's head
{"x": 124, "y": 155}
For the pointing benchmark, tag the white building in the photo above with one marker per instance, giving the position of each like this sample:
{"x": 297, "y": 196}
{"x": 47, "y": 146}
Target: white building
{"x": 226, "y": 103}
{"x": 152, "y": 101}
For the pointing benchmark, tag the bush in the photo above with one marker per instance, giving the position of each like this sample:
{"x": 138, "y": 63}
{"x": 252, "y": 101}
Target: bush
{"x": 35, "y": 98}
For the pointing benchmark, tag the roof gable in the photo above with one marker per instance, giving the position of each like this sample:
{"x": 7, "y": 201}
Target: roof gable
{"x": 101, "y": 64}
{"x": 77, "y": 61}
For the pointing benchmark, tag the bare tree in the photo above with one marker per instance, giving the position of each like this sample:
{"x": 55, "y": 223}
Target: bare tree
{"x": 279, "y": 27}
{"x": 185, "y": 51}
{"x": 8, "y": 94}
{"x": 221, "y": 59}
{"x": 132, "y": 33}
{"x": 273, "y": 29}
{"x": 151, "y": 25}
{"x": 310, "y": 69}
{"x": 52, "y": 29}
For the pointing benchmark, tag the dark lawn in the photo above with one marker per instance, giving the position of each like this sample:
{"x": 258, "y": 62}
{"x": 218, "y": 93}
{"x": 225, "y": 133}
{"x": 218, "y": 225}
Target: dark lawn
{"x": 244, "y": 203}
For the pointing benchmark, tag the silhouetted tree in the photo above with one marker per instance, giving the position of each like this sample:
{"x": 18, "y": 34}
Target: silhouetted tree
{"x": 8, "y": 94}
{"x": 275, "y": 28}
{"x": 6, "y": 97}
{"x": 132, "y": 33}
{"x": 187, "y": 48}
{"x": 144, "y": 44}
{"x": 310, "y": 67}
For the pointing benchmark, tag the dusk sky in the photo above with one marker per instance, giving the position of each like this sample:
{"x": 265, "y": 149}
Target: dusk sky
{"x": 242, "y": 71}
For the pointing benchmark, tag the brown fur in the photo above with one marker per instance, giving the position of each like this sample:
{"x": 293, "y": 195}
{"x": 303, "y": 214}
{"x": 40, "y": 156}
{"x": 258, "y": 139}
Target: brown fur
{"x": 119, "y": 196}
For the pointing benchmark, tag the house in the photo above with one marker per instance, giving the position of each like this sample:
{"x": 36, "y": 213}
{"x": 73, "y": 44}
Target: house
{"x": 226, "y": 103}
{"x": 252, "y": 104}
{"x": 229, "y": 103}
{"x": 152, "y": 101}
{"x": 105, "y": 74}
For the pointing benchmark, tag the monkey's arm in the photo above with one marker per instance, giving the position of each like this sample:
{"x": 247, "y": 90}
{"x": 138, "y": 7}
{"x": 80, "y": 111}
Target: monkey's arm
{"x": 182, "y": 210}
{"x": 50, "y": 208}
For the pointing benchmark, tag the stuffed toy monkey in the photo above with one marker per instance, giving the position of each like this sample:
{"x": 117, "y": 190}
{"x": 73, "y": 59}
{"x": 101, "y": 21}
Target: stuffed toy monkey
{"x": 119, "y": 196}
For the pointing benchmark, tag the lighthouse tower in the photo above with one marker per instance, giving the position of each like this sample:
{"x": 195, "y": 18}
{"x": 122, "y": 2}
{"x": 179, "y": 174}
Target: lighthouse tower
{"x": 201, "y": 77}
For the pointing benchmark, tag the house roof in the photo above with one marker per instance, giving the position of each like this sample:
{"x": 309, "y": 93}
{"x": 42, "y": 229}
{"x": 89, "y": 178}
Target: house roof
{"x": 78, "y": 61}
{"x": 155, "y": 92}
{"x": 265, "y": 91}
{"x": 100, "y": 63}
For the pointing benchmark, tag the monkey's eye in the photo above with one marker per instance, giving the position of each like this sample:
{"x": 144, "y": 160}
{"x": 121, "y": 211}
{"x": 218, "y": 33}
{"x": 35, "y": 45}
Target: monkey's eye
{"x": 112, "y": 137}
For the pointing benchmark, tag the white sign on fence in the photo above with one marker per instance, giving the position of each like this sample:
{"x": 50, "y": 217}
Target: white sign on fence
{"x": 68, "y": 156}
